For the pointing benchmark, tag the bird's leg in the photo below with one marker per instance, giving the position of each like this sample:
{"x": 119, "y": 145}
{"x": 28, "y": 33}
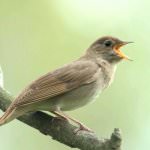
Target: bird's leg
{"x": 60, "y": 115}
{"x": 81, "y": 126}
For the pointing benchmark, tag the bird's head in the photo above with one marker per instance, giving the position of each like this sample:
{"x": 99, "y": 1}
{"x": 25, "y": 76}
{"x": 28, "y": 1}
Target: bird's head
{"x": 108, "y": 48}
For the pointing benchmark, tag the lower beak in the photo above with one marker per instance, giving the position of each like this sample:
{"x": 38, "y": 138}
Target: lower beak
{"x": 119, "y": 52}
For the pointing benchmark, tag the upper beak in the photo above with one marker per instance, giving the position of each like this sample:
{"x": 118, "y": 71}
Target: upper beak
{"x": 124, "y": 43}
{"x": 117, "y": 49}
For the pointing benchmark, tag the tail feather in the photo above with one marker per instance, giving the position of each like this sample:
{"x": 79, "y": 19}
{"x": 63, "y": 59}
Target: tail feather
{"x": 8, "y": 116}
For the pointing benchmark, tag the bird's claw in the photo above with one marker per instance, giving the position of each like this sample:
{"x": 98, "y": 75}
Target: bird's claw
{"x": 82, "y": 128}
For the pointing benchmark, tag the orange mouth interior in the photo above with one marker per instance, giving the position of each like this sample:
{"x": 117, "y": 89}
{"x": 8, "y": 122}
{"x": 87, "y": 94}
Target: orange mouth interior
{"x": 119, "y": 52}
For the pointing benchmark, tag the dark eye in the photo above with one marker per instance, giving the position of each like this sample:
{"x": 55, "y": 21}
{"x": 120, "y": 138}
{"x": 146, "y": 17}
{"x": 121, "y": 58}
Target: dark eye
{"x": 108, "y": 43}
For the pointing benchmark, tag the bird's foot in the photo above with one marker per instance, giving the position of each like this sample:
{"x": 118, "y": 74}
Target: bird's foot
{"x": 82, "y": 128}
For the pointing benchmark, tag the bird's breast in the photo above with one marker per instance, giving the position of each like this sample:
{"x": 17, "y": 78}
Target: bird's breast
{"x": 79, "y": 97}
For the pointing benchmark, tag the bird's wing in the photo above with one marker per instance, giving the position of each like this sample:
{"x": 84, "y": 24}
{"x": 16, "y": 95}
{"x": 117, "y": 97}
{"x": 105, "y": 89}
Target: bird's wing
{"x": 58, "y": 82}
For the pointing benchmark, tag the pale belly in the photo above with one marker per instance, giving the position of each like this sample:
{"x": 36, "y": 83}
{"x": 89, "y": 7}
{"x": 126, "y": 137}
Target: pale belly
{"x": 73, "y": 99}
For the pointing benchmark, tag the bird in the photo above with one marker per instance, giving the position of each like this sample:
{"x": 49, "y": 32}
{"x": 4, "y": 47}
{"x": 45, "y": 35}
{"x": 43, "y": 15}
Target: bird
{"x": 71, "y": 86}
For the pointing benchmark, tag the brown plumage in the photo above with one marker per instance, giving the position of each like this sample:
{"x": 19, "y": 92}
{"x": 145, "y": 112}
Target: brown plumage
{"x": 72, "y": 85}
{"x": 57, "y": 82}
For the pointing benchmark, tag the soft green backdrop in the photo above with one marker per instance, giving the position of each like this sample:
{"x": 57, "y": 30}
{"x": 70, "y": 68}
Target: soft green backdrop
{"x": 38, "y": 36}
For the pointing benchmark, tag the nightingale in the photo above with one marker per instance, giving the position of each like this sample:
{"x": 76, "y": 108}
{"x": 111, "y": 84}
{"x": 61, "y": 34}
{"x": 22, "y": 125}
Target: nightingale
{"x": 71, "y": 86}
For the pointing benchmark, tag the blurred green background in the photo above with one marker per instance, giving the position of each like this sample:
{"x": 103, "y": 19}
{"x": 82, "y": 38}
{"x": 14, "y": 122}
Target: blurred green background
{"x": 39, "y": 36}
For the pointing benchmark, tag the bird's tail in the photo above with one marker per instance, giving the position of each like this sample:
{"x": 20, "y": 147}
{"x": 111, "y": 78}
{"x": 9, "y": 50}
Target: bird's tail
{"x": 8, "y": 116}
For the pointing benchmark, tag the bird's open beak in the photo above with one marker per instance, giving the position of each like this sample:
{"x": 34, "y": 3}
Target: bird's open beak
{"x": 119, "y": 52}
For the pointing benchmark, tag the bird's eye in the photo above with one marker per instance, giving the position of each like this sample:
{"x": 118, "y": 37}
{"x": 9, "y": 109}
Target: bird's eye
{"x": 108, "y": 43}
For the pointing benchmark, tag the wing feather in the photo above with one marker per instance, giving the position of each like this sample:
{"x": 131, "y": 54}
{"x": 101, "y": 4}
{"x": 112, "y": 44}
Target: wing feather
{"x": 58, "y": 82}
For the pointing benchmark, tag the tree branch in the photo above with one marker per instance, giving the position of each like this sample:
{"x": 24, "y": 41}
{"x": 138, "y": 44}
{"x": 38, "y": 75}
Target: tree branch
{"x": 62, "y": 130}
